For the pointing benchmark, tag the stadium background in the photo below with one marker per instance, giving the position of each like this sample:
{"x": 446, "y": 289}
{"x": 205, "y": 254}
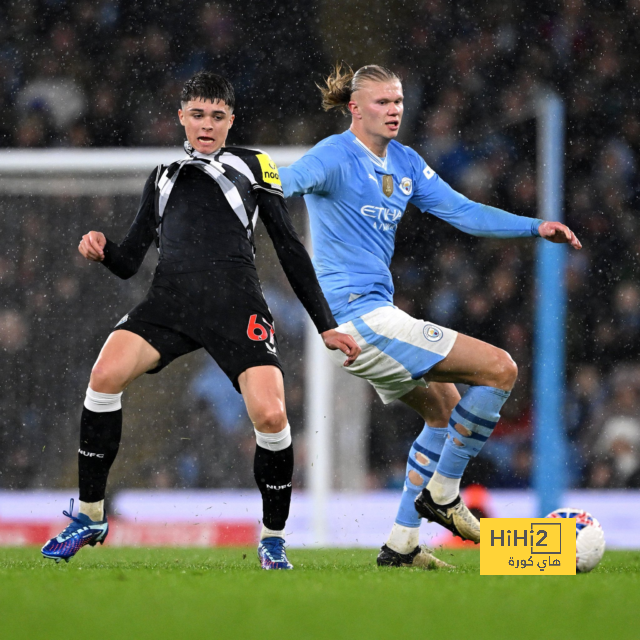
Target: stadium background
{"x": 107, "y": 73}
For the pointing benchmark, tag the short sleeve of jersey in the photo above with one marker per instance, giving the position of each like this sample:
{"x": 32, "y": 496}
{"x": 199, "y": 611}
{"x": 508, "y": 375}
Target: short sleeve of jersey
{"x": 265, "y": 172}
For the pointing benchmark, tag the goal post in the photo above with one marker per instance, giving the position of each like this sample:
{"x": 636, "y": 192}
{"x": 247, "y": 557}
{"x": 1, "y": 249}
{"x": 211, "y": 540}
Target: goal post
{"x": 549, "y": 345}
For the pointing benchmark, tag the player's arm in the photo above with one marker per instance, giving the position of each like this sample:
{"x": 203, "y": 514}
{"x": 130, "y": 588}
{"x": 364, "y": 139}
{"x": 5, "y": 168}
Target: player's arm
{"x": 313, "y": 173}
{"x": 299, "y": 270}
{"x": 434, "y": 195}
{"x": 124, "y": 259}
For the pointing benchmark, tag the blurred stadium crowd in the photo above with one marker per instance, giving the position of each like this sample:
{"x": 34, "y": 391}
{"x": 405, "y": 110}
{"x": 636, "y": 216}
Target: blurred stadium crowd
{"x": 107, "y": 73}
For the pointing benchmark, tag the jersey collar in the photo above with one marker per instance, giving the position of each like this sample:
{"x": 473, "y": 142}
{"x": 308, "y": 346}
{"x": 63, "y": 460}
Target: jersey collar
{"x": 196, "y": 154}
{"x": 377, "y": 161}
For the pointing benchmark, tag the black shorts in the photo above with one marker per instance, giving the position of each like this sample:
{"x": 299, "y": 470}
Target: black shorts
{"x": 222, "y": 311}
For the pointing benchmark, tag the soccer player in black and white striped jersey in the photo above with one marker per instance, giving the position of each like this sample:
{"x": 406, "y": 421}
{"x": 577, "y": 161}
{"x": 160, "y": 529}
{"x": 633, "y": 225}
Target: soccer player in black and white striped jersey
{"x": 201, "y": 212}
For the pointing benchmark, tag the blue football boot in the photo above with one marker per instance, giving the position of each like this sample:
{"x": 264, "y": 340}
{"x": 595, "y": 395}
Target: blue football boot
{"x": 272, "y": 554}
{"x": 79, "y": 532}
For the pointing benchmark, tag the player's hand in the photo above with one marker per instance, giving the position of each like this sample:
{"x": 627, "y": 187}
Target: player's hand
{"x": 335, "y": 340}
{"x": 92, "y": 246}
{"x": 559, "y": 233}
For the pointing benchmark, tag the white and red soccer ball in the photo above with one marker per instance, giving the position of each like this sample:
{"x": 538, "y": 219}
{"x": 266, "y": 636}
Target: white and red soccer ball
{"x": 590, "y": 542}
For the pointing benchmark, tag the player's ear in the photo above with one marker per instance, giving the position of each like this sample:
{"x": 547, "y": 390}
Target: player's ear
{"x": 181, "y": 117}
{"x": 355, "y": 111}
{"x": 231, "y": 119}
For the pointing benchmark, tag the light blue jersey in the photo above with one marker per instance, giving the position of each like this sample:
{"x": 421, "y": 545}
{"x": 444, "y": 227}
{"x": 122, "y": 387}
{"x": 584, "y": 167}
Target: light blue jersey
{"x": 356, "y": 201}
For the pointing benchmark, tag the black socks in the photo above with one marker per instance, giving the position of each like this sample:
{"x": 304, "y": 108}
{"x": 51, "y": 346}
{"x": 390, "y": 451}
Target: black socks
{"x": 273, "y": 471}
{"x": 100, "y": 435}
{"x": 99, "y": 442}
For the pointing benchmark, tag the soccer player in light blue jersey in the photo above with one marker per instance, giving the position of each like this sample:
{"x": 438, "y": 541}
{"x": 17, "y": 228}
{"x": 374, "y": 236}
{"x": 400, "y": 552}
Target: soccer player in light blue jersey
{"x": 356, "y": 187}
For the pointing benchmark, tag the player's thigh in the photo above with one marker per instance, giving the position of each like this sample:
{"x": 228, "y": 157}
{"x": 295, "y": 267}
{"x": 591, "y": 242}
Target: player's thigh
{"x": 397, "y": 350}
{"x": 434, "y": 403}
{"x": 474, "y": 362}
{"x": 124, "y": 357}
{"x": 262, "y": 388}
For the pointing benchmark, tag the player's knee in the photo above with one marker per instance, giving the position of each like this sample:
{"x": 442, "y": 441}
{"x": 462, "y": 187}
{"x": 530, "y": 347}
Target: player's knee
{"x": 271, "y": 420}
{"x": 506, "y": 371}
{"x": 106, "y": 378}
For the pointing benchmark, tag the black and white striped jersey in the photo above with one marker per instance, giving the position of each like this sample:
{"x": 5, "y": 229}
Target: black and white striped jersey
{"x": 202, "y": 212}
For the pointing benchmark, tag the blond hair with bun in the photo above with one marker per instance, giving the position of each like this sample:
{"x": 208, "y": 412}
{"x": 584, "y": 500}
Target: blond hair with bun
{"x": 343, "y": 82}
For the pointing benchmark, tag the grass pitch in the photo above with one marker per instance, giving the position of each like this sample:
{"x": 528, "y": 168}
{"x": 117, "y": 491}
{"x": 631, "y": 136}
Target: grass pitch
{"x": 222, "y": 593}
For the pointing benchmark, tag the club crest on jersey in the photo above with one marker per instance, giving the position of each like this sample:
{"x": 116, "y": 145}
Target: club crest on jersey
{"x": 432, "y": 333}
{"x": 406, "y": 186}
{"x": 387, "y": 185}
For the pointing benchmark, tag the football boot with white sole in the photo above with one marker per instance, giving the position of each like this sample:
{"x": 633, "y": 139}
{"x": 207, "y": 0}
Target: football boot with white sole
{"x": 454, "y": 516}
{"x": 81, "y": 531}
{"x": 272, "y": 554}
{"x": 421, "y": 558}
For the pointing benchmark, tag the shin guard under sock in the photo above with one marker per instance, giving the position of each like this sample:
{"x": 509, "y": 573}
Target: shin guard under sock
{"x": 100, "y": 435}
{"x": 273, "y": 471}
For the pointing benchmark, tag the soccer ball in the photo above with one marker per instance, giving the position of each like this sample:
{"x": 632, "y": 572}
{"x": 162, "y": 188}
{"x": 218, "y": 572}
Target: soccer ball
{"x": 589, "y": 538}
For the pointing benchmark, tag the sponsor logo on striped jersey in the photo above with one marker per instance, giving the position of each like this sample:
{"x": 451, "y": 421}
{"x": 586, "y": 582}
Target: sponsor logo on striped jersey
{"x": 269, "y": 170}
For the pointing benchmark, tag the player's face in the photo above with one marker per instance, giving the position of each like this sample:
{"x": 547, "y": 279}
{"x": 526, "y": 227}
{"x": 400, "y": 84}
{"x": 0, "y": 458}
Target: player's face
{"x": 206, "y": 124}
{"x": 379, "y": 107}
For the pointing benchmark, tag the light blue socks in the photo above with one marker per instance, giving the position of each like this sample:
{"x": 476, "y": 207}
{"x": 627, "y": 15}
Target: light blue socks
{"x": 472, "y": 422}
{"x": 423, "y": 459}
{"x": 446, "y": 453}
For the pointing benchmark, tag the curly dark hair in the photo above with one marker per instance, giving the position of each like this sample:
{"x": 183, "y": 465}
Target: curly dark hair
{"x": 209, "y": 86}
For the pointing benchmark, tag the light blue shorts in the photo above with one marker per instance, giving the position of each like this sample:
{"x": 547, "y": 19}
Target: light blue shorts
{"x": 397, "y": 350}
